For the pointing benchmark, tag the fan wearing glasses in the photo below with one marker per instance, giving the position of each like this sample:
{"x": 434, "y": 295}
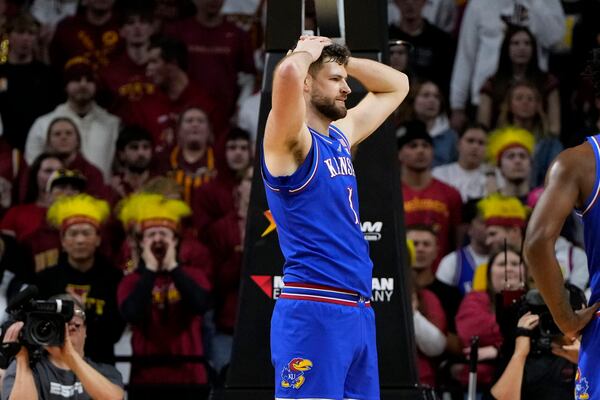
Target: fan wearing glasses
{"x": 63, "y": 371}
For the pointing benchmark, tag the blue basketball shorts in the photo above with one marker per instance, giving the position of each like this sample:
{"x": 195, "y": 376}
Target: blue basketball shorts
{"x": 587, "y": 379}
{"x": 323, "y": 344}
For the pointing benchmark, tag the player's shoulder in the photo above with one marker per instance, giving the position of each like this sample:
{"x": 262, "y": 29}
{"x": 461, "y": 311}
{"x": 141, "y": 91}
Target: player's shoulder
{"x": 575, "y": 159}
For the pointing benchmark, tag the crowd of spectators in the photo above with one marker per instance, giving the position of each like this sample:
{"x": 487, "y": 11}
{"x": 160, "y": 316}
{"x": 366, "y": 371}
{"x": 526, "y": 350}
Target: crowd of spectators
{"x": 492, "y": 103}
{"x": 133, "y": 105}
{"x": 113, "y": 98}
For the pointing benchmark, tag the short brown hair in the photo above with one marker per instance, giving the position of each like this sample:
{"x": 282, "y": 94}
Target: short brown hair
{"x": 332, "y": 53}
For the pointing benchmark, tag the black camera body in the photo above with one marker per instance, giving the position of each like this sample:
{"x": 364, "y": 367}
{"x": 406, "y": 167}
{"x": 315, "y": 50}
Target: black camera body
{"x": 45, "y": 321}
{"x": 44, "y": 324}
{"x": 547, "y": 330}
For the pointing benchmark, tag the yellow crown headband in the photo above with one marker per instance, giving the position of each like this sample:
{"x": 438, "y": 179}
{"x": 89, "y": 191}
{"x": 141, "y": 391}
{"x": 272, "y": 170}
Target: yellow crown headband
{"x": 147, "y": 210}
{"x": 502, "y": 139}
{"x": 80, "y": 208}
{"x": 502, "y": 210}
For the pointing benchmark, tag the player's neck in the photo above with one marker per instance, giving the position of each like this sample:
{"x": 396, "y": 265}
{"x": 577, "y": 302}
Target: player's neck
{"x": 317, "y": 122}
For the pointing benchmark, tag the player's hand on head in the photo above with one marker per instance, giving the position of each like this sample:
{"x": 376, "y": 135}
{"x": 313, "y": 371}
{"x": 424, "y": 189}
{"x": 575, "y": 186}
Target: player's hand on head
{"x": 313, "y": 45}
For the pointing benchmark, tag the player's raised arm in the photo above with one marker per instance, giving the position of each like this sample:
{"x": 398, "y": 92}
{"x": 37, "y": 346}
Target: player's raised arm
{"x": 286, "y": 134}
{"x": 563, "y": 191}
{"x": 387, "y": 88}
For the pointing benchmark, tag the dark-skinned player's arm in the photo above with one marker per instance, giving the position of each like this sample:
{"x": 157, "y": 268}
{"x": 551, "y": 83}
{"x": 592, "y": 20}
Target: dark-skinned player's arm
{"x": 387, "y": 88}
{"x": 562, "y": 193}
{"x": 286, "y": 132}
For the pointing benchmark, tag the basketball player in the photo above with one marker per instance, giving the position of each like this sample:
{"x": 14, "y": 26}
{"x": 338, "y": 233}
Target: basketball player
{"x": 573, "y": 180}
{"x": 323, "y": 329}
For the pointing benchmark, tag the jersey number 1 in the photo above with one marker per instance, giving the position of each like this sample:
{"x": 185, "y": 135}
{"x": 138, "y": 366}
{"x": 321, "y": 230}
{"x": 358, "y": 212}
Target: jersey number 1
{"x": 351, "y": 205}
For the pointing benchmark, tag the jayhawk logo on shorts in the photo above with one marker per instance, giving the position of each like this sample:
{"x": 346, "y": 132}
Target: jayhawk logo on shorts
{"x": 292, "y": 374}
{"x": 581, "y": 387}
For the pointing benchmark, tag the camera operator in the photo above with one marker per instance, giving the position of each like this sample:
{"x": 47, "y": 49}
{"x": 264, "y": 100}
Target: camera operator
{"x": 63, "y": 371}
{"x": 543, "y": 363}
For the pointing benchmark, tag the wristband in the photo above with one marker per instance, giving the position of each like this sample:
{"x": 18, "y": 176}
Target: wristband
{"x": 524, "y": 332}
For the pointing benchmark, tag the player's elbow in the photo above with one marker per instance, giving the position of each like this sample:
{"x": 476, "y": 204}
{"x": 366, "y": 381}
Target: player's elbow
{"x": 288, "y": 71}
{"x": 402, "y": 85}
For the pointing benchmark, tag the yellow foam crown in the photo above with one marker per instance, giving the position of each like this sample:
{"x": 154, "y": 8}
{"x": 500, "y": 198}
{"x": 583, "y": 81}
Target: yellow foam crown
{"x": 504, "y": 138}
{"x": 497, "y": 209}
{"x": 142, "y": 209}
{"x": 78, "y": 208}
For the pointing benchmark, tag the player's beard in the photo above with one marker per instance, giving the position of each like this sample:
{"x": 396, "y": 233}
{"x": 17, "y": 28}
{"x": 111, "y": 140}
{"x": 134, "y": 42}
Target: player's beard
{"x": 328, "y": 107}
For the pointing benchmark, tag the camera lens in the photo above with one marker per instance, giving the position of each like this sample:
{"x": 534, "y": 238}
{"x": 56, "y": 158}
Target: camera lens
{"x": 44, "y": 331}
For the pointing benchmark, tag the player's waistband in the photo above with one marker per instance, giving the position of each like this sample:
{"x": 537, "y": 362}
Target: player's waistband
{"x": 324, "y": 294}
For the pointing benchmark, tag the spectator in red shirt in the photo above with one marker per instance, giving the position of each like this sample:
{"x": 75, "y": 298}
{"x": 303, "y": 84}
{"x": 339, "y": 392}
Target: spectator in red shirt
{"x": 215, "y": 199}
{"x": 134, "y": 160}
{"x": 163, "y": 300}
{"x": 124, "y": 80}
{"x": 64, "y": 140}
{"x": 426, "y": 199}
{"x": 221, "y": 54}
{"x": 92, "y": 33}
{"x": 166, "y": 69}
{"x": 192, "y": 161}
{"x": 429, "y": 318}
{"x": 23, "y": 219}
{"x": 477, "y": 313}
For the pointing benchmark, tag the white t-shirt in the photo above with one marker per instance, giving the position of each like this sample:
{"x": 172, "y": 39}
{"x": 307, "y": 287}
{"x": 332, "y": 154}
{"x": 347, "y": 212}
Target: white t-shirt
{"x": 469, "y": 183}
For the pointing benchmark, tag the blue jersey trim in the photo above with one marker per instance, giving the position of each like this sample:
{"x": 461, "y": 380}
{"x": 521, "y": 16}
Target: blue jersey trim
{"x": 299, "y": 179}
{"x": 339, "y": 132}
{"x": 593, "y": 197}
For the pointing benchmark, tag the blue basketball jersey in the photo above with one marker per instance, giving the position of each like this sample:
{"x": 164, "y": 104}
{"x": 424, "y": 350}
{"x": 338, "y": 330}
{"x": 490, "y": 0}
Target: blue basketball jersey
{"x": 316, "y": 213}
{"x": 590, "y": 214}
{"x": 587, "y": 380}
